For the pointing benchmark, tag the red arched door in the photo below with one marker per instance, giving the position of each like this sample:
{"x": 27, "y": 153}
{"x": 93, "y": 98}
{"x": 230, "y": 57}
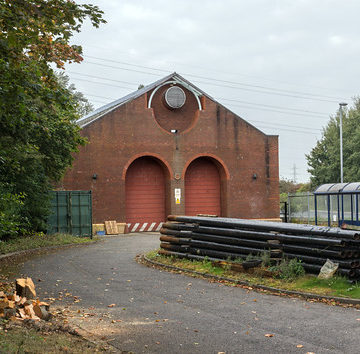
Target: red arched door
{"x": 145, "y": 195}
{"x": 202, "y": 188}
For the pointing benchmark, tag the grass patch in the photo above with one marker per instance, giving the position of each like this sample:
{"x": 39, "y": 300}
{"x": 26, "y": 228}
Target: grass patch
{"x": 336, "y": 286}
{"x": 339, "y": 286}
{"x": 40, "y": 240}
{"x": 18, "y": 339}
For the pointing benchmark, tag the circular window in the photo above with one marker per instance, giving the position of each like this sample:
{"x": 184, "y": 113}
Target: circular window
{"x": 175, "y": 97}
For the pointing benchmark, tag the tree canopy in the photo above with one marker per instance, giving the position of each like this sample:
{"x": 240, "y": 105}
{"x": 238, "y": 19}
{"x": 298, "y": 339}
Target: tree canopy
{"x": 38, "y": 131}
{"x": 324, "y": 158}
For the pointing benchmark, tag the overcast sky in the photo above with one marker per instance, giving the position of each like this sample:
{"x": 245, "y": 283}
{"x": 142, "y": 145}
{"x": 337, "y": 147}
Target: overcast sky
{"x": 281, "y": 65}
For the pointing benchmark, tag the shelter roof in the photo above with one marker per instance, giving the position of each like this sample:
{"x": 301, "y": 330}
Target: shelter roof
{"x": 338, "y": 188}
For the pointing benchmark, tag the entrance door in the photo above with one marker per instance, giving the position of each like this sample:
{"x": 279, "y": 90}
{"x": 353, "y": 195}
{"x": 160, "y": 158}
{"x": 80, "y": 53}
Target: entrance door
{"x": 145, "y": 195}
{"x": 202, "y": 188}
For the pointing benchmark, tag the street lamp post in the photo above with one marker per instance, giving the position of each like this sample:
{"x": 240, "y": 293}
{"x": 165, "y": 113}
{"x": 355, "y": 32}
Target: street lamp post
{"x": 341, "y": 142}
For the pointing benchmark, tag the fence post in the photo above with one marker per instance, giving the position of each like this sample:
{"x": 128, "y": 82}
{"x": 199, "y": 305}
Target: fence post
{"x": 289, "y": 208}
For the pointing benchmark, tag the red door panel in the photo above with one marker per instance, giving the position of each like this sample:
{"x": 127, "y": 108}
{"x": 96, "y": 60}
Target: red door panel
{"x": 202, "y": 188}
{"x": 145, "y": 192}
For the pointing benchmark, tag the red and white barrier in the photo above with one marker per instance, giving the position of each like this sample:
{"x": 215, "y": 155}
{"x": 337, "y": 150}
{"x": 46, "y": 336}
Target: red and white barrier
{"x": 144, "y": 226}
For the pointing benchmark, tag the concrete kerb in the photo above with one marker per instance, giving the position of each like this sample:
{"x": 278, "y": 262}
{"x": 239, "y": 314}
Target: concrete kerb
{"x": 306, "y": 296}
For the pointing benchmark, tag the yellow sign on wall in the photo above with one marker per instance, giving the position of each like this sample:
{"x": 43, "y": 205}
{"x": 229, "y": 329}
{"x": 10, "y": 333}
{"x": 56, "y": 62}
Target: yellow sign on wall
{"x": 177, "y": 195}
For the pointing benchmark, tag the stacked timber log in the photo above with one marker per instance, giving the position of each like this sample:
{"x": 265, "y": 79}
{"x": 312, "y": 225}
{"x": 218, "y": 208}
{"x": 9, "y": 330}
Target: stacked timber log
{"x": 196, "y": 237}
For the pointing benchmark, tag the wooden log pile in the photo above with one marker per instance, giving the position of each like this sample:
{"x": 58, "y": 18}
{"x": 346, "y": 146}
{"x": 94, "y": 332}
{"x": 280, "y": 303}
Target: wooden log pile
{"x": 223, "y": 238}
{"x": 22, "y": 303}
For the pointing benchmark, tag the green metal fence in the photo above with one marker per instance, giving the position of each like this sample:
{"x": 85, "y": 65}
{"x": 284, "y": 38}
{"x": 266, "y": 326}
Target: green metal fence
{"x": 71, "y": 212}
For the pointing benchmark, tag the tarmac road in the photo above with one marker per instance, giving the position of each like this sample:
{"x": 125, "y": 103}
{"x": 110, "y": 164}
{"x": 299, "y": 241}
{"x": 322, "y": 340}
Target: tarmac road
{"x": 159, "y": 312}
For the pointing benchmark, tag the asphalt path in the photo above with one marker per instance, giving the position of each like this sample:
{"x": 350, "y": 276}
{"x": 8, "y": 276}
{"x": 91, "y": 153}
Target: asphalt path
{"x": 153, "y": 311}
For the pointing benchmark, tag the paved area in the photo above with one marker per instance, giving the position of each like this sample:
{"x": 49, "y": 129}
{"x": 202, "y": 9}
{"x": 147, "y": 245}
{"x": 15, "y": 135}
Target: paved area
{"x": 154, "y": 311}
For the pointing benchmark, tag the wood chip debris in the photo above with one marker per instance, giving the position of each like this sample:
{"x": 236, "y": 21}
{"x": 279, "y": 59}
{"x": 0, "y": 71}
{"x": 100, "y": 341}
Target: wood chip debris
{"x": 22, "y": 304}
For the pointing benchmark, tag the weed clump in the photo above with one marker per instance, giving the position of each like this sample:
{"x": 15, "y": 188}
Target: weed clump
{"x": 288, "y": 270}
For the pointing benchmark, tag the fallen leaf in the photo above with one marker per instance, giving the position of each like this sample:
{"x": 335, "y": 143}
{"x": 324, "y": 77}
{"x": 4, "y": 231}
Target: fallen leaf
{"x": 269, "y": 335}
{"x": 299, "y": 346}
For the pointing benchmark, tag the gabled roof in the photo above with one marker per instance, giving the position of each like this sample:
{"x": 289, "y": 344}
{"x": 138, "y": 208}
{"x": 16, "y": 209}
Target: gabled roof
{"x": 98, "y": 113}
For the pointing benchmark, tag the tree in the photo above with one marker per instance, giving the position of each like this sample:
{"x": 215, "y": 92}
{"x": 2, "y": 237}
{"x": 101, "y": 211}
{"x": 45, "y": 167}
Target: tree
{"x": 287, "y": 186}
{"x": 38, "y": 131}
{"x": 83, "y": 106}
{"x": 324, "y": 158}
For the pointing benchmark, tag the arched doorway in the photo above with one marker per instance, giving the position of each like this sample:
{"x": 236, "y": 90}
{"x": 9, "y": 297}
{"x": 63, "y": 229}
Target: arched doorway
{"x": 202, "y": 188}
{"x": 145, "y": 194}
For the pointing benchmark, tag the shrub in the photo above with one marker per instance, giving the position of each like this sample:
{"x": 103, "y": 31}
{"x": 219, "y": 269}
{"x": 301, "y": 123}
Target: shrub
{"x": 289, "y": 270}
{"x": 11, "y": 222}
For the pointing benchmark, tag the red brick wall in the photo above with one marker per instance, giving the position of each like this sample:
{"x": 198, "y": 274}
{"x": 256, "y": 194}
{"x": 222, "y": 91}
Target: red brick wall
{"x": 131, "y": 131}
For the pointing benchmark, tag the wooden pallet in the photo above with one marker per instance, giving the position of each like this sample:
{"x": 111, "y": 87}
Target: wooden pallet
{"x": 111, "y": 227}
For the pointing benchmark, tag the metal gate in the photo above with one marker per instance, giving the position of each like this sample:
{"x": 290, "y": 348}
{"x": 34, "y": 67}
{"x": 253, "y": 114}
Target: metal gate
{"x": 71, "y": 213}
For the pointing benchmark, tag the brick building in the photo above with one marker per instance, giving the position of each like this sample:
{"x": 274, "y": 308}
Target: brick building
{"x": 169, "y": 148}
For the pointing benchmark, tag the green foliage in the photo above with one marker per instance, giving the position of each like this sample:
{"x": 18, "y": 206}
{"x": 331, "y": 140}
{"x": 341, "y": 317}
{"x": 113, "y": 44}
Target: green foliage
{"x": 340, "y": 286}
{"x": 293, "y": 276}
{"x": 266, "y": 259}
{"x": 11, "y": 205}
{"x": 208, "y": 267}
{"x": 38, "y": 130}
{"x": 287, "y": 186}
{"x": 289, "y": 270}
{"x": 83, "y": 107}
{"x": 251, "y": 257}
{"x": 324, "y": 158}
{"x": 40, "y": 240}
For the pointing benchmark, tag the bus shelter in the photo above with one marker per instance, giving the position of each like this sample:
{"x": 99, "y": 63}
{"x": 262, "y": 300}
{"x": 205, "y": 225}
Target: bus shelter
{"x": 337, "y": 204}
